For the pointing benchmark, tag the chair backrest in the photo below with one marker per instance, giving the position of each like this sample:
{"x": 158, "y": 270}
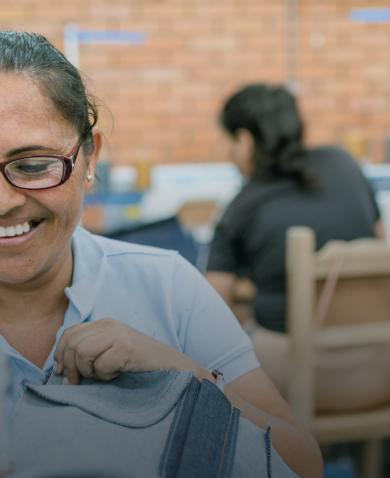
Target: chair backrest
{"x": 193, "y": 213}
{"x": 358, "y": 312}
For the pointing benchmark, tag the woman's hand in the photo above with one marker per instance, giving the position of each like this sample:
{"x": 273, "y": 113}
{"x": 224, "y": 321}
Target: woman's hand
{"x": 104, "y": 348}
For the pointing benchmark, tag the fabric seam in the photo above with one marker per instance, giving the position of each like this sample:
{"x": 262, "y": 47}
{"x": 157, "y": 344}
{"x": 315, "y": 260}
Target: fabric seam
{"x": 268, "y": 449}
{"x": 171, "y": 436}
{"x": 225, "y": 441}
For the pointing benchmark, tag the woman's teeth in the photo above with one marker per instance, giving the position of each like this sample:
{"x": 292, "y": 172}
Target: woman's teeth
{"x": 14, "y": 231}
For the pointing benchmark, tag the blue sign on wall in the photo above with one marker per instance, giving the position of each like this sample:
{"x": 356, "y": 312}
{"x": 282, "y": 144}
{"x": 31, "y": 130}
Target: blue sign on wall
{"x": 370, "y": 15}
{"x": 93, "y": 37}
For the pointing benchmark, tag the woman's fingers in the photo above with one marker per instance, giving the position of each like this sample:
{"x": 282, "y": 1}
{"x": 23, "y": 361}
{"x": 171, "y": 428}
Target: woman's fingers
{"x": 62, "y": 343}
{"x": 106, "y": 347}
{"x": 73, "y": 356}
{"x": 73, "y": 349}
{"x": 70, "y": 374}
{"x": 88, "y": 352}
{"x": 79, "y": 348}
{"x": 106, "y": 365}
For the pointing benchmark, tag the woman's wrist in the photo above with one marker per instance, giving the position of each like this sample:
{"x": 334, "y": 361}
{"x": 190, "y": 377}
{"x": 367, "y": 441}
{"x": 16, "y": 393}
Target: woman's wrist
{"x": 183, "y": 363}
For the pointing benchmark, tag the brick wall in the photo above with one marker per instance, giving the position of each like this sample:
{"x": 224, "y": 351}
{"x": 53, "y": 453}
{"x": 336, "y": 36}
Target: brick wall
{"x": 165, "y": 95}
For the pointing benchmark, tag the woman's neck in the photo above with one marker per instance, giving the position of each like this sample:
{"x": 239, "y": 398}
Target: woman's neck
{"x": 32, "y": 313}
{"x": 39, "y": 296}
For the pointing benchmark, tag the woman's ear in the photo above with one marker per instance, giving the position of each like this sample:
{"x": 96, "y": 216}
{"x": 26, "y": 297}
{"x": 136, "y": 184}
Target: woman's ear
{"x": 93, "y": 158}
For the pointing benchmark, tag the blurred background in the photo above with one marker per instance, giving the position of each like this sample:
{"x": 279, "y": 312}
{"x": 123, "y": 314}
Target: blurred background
{"x": 165, "y": 82}
{"x": 166, "y": 76}
{"x": 163, "y": 68}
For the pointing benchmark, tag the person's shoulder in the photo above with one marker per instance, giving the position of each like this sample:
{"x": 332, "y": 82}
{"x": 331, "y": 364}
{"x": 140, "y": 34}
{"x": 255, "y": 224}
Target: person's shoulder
{"x": 112, "y": 247}
{"x": 254, "y": 190}
{"x": 251, "y": 199}
{"x": 330, "y": 152}
{"x": 334, "y": 159}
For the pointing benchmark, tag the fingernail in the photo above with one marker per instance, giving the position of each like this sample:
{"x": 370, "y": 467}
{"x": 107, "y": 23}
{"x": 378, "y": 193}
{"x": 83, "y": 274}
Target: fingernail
{"x": 55, "y": 367}
{"x": 65, "y": 381}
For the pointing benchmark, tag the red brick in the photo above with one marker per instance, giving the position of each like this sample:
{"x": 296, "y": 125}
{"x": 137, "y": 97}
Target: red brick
{"x": 165, "y": 95}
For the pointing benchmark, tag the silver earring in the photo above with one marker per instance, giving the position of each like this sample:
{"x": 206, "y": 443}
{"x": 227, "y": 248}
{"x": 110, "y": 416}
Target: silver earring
{"x": 89, "y": 177}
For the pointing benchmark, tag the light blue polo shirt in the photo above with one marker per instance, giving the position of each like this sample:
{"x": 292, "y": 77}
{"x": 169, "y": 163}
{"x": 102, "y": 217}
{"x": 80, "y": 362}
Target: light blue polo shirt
{"x": 155, "y": 291}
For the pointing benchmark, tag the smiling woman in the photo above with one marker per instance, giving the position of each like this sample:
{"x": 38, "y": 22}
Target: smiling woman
{"x": 80, "y": 305}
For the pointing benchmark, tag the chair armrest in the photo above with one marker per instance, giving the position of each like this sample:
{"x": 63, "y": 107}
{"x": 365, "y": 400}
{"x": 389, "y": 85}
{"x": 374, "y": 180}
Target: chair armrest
{"x": 353, "y": 335}
{"x": 244, "y": 290}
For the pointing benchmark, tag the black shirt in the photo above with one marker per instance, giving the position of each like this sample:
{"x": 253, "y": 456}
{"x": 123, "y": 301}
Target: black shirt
{"x": 251, "y": 235}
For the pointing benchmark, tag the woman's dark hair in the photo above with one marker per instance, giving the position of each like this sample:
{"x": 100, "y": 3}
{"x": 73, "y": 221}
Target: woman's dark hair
{"x": 270, "y": 114}
{"x": 33, "y": 56}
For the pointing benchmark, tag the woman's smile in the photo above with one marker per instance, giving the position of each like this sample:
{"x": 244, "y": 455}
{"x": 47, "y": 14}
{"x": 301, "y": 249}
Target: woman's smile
{"x": 18, "y": 227}
{"x": 18, "y": 231}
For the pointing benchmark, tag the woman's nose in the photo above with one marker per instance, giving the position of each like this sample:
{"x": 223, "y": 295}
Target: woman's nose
{"x": 10, "y": 197}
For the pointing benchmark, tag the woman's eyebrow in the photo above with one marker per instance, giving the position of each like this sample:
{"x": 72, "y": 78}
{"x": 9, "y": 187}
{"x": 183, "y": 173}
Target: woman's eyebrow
{"x": 29, "y": 148}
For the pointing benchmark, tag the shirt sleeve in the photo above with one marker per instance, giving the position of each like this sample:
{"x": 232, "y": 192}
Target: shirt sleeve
{"x": 223, "y": 254}
{"x": 366, "y": 187}
{"x": 208, "y": 331}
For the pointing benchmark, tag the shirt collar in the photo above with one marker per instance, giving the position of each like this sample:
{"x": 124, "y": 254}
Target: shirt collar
{"x": 89, "y": 264}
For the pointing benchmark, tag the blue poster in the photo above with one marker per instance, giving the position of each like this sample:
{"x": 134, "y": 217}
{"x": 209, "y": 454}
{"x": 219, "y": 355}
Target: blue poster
{"x": 370, "y": 15}
{"x": 93, "y": 37}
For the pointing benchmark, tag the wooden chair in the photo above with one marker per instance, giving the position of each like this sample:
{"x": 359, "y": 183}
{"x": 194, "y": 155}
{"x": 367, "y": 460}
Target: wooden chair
{"x": 358, "y": 314}
{"x": 195, "y": 213}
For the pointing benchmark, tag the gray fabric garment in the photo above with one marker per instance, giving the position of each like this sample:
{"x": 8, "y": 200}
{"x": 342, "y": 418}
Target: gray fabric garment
{"x": 83, "y": 446}
{"x": 153, "y": 395}
{"x": 131, "y": 400}
{"x": 116, "y": 429}
{"x": 4, "y": 429}
{"x": 251, "y": 455}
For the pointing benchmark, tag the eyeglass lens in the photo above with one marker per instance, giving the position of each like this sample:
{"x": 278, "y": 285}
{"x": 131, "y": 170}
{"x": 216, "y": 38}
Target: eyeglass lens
{"x": 36, "y": 173}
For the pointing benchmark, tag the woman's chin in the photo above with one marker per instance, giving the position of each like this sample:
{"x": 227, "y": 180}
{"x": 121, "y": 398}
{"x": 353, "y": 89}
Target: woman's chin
{"x": 15, "y": 279}
{"x": 24, "y": 269}
{"x": 18, "y": 270}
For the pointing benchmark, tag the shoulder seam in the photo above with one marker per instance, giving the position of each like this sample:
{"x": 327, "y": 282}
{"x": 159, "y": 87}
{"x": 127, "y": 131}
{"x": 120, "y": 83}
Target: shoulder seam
{"x": 169, "y": 253}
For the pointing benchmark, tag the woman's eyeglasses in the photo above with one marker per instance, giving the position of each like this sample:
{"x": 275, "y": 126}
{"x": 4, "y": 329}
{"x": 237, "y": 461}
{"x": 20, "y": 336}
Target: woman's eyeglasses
{"x": 40, "y": 172}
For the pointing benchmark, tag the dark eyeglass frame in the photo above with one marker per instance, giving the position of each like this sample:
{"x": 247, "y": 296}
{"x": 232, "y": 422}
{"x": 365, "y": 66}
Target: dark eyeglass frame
{"x": 68, "y": 162}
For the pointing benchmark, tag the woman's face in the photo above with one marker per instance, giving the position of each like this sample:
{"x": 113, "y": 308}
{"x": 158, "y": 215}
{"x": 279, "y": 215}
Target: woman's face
{"x": 29, "y": 125}
{"x": 239, "y": 149}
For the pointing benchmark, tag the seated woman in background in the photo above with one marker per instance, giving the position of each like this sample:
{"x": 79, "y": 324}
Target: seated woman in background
{"x": 288, "y": 185}
{"x": 83, "y": 305}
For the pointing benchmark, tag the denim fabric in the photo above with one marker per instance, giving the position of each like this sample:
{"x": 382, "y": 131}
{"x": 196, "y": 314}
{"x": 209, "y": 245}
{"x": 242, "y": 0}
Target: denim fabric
{"x": 268, "y": 448}
{"x": 211, "y": 440}
{"x": 195, "y": 447}
{"x": 178, "y": 433}
{"x": 203, "y": 435}
{"x": 183, "y": 430}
